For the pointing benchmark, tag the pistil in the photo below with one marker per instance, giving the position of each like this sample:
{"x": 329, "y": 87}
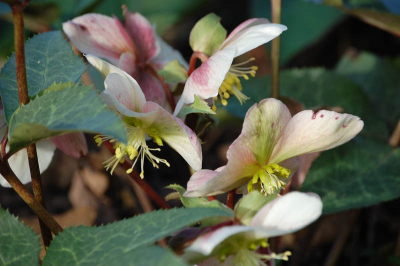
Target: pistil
{"x": 268, "y": 179}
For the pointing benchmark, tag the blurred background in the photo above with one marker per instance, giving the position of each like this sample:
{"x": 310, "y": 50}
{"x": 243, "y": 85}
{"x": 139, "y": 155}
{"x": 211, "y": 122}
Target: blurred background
{"x": 342, "y": 55}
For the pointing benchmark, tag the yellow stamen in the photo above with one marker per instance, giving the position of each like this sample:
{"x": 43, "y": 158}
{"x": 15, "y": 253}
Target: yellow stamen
{"x": 268, "y": 179}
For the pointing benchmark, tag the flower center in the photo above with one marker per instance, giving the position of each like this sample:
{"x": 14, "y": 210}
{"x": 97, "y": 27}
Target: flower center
{"x": 246, "y": 254}
{"x": 231, "y": 84}
{"x": 268, "y": 179}
{"x": 136, "y": 148}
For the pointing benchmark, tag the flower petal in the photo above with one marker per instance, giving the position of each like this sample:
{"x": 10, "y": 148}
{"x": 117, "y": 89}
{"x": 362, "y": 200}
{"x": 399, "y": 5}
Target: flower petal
{"x": 73, "y": 144}
{"x": 19, "y": 162}
{"x": 206, "y": 80}
{"x": 251, "y": 37}
{"x": 246, "y": 24}
{"x": 242, "y": 165}
{"x": 120, "y": 84}
{"x": 152, "y": 87}
{"x": 127, "y": 62}
{"x": 288, "y": 213}
{"x": 174, "y": 132}
{"x": 309, "y": 132}
{"x": 99, "y": 35}
{"x": 263, "y": 126}
{"x": 142, "y": 34}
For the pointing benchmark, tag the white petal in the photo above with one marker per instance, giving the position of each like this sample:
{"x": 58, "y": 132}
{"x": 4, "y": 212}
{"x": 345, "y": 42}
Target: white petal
{"x": 19, "y": 162}
{"x": 125, "y": 88}
{"x": 206, "y": 80}
{"x": 252, "y": 37}
{"x": 309, "y": 132}
{"x": 288, "y": 213}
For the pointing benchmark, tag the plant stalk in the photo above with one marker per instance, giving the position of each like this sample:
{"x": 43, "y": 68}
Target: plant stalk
{"x": 29, "y": 199}
{"x": 276, "y": 47}
{"x": 18, "y": 18}
{"x": 230, "y": 198}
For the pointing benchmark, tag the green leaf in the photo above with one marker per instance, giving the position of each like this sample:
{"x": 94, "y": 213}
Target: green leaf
{"x": 207, "y": 35}
{"x": 250, "y": 204}
{"x": 49, "y": 59}
{"x": 315, "y": 88}
{"x": 358, "y": 174}
{"x": 307, "y": 22}
{"x": 19, "y": 245}
{"x": 379, "y": 79}
{"x": 173, "y": 73}
{"x": 102, "y": 245}
{"x": 198, "y": 106}
{"x": 76, "y": 108}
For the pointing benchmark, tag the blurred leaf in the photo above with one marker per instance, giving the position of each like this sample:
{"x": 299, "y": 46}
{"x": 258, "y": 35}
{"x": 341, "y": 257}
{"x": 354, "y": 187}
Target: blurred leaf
{"x": 49, "y": 58}
{"x": 380, "y": 80}
{"x": 70, "y": 8}
{"x": 375, "y": 12}
{"x": 198, "y": 106}
{"x": 250, "y": 204}
{"x": 306, "y": 23}
{"x": 4, "y": 8}
{"x": 105, "y": 245}
{"x": 77, "y": 108}
{"x": 173, "y": 73}
{"x": 207, "y": 34}
{"x": 315, "y": 88}
{"x": 19, "y": 245}
{"x": 358, "y": 174}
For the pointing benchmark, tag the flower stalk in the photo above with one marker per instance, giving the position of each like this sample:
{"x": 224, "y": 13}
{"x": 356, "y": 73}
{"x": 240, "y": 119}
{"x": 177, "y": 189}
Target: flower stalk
{"x": 29, "y": 199}
{"x": 276, "y": 47}
{"x": 230, "y": 199}
{"x": 17, "y": 10}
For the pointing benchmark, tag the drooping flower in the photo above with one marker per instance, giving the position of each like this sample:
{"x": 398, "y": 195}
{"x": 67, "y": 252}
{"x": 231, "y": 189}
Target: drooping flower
{"x": 134, "y": 47}
{"x": 143, "y": 118}
{"x": 19, "y": 161}
{"x": 264, "y": 155}
{"x": 217, "y": 76}
{"x": 239, "y": 243}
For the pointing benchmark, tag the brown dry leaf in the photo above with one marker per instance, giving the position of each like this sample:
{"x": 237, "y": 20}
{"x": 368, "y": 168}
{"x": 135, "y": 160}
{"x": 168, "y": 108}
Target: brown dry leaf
{"x": 96, "y": 181}
{"x": 79, "y": 195}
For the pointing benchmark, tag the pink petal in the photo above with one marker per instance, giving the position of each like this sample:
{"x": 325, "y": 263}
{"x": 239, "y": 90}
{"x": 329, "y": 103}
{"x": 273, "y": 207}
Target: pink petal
{"x": 99, "y": 35}
{"x": 252, "y": 36}
{"x": 246, "y": 24}
{"x": 241, "y": 166}
{"x": 175, "y": 133}
{"x": 122, "y": 91}
{"x": 127, "y": 62}
{"x": 152, "y": 87}
{"x": 309, "y": 132}
{"x": 142, "y": 34}
{"x": 73, "y": 144}
{"x": 288, "y": 213}
{"x": 206, "y": 80}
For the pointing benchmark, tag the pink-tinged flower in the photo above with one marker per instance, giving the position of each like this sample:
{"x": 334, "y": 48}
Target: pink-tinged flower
{"x": 264, "y": 155}
{"x": 217, "y": 76}
{"x": 238, "y": 243}
{"x": 19, "y": 161}
{"x": 134, "y": 47}
{"x": 143, "y": 119}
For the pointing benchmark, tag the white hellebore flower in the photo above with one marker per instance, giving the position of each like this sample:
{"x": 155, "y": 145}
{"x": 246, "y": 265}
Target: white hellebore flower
{"x": 281, "y": 216}
{"x": 19, "y": 161}
{"x": 217, "y": 75}
{"x": 123, "y": 94}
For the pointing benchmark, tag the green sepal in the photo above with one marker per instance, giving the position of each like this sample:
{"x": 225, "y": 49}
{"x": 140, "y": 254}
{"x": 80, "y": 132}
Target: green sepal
{"x": 173, "y": 73}
{"x": 198, "y": 106}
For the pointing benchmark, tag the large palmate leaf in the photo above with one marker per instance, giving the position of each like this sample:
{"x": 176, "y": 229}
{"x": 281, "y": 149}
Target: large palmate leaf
{"x": 106, "y": 245}
{"x": 306, "y": 23}
{"x": 62, "y": 110}
{"x": 358, "y": 174}
{"x": 49, "y": 59}
{"x": 19, "y": 245}
{"x": 380, "y": 80}
{"x": 315, "y": 88}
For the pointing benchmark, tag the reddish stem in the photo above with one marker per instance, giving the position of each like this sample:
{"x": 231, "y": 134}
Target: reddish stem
{"x": 230, "y": 198}
{"x": 211, "y": 198}
{"x": 4, "y": 144}
{"x": 193, "y": 59}
{"x": 143, "y": 184}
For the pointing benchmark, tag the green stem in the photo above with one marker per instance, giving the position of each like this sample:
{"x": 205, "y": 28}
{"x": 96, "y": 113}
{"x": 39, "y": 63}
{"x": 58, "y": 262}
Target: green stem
{"x": 29, "y": 199}
{"x": 18, "y": 18}
{"x": 276, "y": 46}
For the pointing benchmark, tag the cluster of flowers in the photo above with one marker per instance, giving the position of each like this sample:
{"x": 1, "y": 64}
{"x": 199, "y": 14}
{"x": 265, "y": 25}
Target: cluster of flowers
{"x": 261, "y": 160}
